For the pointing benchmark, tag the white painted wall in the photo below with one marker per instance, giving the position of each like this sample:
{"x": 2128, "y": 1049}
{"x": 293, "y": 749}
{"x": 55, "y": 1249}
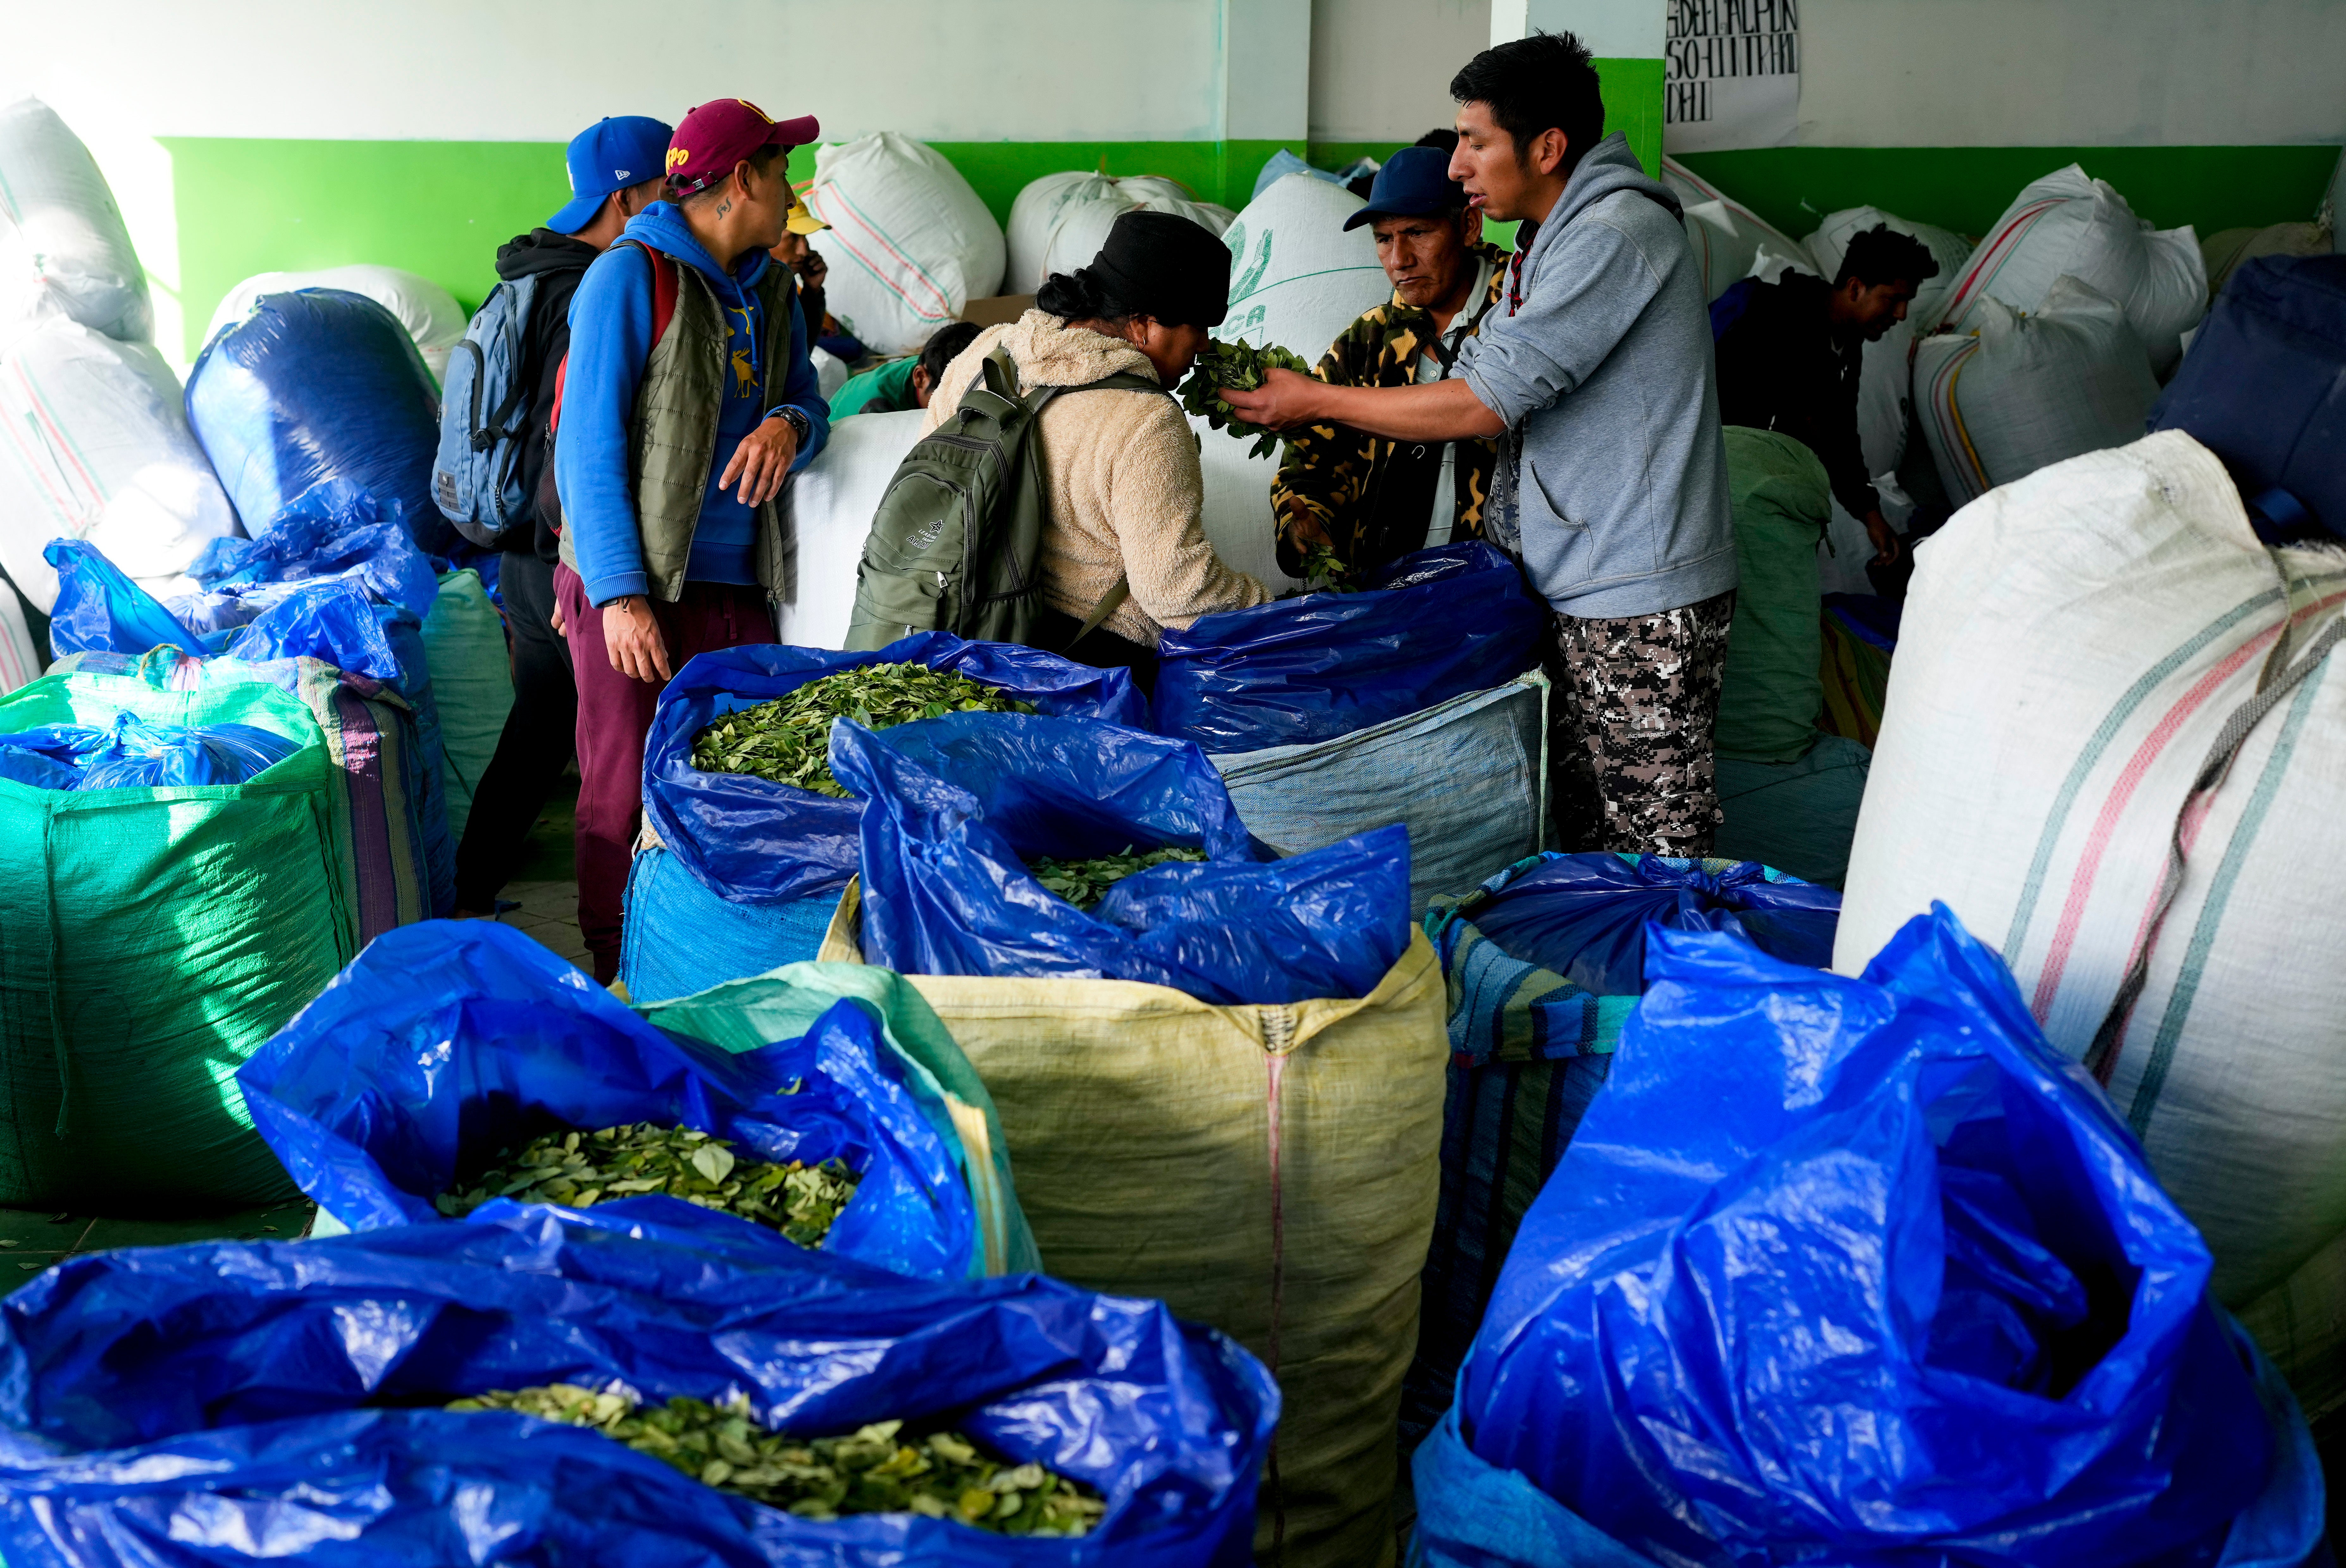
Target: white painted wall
{"x": 1613, "y": 29}
{"x": 2072, "y": 73}
{"x": 1381, "y": 69}
{"x": 1266, "y": 70}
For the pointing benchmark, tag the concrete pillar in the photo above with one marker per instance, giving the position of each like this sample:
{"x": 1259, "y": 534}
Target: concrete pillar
{"x": 1625, "y": 37}
{"x": 1266, "y": 88}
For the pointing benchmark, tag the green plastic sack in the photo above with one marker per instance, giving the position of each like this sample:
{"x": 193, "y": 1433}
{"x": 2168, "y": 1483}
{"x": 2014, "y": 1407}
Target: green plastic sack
{"x": 783, "y": 1003}
{"x": 472, "y": 683}
{"x": 151, "y": 940}
{"x": 1783, "y": 503}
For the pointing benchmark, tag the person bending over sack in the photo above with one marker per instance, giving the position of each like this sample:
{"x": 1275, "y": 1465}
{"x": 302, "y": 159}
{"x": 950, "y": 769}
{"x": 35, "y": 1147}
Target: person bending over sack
{"x": 1125, "y": 490}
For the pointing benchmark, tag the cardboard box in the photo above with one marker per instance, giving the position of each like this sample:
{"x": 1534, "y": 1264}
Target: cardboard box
{"x": 999, "y": 310}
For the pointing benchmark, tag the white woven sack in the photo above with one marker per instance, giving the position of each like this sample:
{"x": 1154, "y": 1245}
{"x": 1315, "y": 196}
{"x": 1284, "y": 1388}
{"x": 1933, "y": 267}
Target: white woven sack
{"x": 19, "y": 660}
{"x": 1236, "y": 512}
{"x": 909, "y": 244}
{"x": 1059, "y": 221}
{"x": 2073, "y": 648}
{"x": 827, "y": 510}
{"x": 429, "y": 312}
{"x": 831, "y": 372}
{"x": 2026, "y": 390}
{"x": 1298, "y": 277}
{"x": 96, "y": 446}
{"x": 1730, "y": 242}
{"x": 2067, "y": 224}
{"x": 64, "y": 248}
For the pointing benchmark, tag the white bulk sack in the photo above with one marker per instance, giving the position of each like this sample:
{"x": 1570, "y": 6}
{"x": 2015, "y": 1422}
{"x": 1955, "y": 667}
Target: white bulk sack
{"x": 831, "y": 372}
{"x": 2072, "y": 648}
{"x": 64, "y": 250}
{"x": 910, "y": 245}
{"x": 19, "y": 660}
{"x": 827, "y": 510}
{"x": 1059, "y": 221}
{"x": 1297, "y": 277}
{"x": 1730, "y": 242}
{"x": 2067, "y": 224}
{"x": 2026, "y": 390}
{"x": 97, "y": 448}
{"x": 1236, "y": 512}
{"x": 429, "y": 312}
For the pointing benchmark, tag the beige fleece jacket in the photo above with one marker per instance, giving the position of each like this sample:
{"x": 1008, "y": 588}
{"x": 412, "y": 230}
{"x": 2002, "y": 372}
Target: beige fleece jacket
{"x": 1126, "y": 488}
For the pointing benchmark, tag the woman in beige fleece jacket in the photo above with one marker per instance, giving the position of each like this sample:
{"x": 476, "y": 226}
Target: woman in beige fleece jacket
{"x": 1124, "y": 486}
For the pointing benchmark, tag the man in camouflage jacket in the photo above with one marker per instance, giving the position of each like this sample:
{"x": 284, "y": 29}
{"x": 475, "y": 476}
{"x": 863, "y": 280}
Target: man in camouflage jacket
{"x": 1368, "y": 499}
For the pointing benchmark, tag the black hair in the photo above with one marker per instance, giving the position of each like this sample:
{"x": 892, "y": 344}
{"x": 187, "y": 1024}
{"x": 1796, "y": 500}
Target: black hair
{"x": 1441, "y": 137}
{"x": 759, "y": 161}
{"x": 1532, "y": 85}
{"x": 1078, "y": 297}
{"x": 944, "y": 346}
{"x": 1882, "y": 255}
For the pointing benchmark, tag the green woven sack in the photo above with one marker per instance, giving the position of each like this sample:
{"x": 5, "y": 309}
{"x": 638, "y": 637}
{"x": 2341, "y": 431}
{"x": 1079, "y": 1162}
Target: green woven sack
{"x": 472, "y": 682}
{"x": 1772, "y": 693}
{"x": 151, "y": 940}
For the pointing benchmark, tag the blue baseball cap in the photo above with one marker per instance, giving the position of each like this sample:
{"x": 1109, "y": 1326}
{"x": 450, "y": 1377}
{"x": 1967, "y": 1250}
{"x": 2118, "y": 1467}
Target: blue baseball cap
{"x": 608, "y": 156}
{"x": 1414, "y": 182}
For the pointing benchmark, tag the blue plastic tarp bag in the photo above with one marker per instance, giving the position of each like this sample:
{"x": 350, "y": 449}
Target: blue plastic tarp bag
{"x": 2264, "y": 386}
{"x": 752, "y": 841}
{"x": 1863, "y": 1272}
{"x": 1584, "y": 916}
{"x": 443, "y": 1045}
{"x": 99, "y": 609}
{"x": 132, "y": 754}
{"x": 318, "y": 385}
{"x": 333, "y": 529}
{"x": 959, "y": 804}
{"x": 1430, "y": 626}
{"x": 238, "y": 1402}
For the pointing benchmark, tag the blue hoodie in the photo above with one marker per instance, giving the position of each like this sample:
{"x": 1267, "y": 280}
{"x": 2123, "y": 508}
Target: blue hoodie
{"x": 610, "y": 339}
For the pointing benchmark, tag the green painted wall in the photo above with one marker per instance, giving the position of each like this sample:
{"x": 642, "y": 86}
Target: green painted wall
{"x": 1966, "y": 188}
{"x": 442, "y": 209}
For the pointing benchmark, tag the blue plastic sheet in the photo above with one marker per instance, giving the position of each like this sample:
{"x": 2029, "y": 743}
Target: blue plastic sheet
{"x": 959, "y": 803}
{"x": 234, "y": 1401}
{"x": 1432, "y": 625}
{"x": 318, "y": 385}
{"x": 100, "y": 610}
{"x": 444, "y": 1044}
{"x": 333, "y": 529}
{"x": 1584, "y": 916}
{"x": 133, "y": 754}
{"x": 753, "y": 842}
{"x": 1863, "y": 1272}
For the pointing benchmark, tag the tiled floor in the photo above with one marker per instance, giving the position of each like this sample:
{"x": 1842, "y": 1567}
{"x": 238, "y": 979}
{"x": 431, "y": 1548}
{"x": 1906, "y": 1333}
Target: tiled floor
{"x": 34, "y": 1239}
{"x": 549, "y": 913}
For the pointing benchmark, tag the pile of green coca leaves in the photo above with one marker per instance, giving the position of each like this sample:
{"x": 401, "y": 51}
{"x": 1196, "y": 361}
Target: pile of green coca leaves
{"x": 1329, "y": 572}
{"x": 942, "y": 1475}
{"x": 1084, "y": 883}
{"x": 579, "y": 1170}
{"x": 788, "y": 740}
{"x": 1237, "y": 366}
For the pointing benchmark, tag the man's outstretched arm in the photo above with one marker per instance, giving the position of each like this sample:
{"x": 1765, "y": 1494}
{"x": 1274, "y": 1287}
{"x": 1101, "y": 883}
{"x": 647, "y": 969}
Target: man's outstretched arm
{"x": 1438, "y": 411}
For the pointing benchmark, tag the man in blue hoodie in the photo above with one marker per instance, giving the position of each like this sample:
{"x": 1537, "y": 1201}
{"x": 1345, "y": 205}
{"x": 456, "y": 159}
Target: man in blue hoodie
{"x": 689, "y": 401}
{"x": 1594, "y": 369}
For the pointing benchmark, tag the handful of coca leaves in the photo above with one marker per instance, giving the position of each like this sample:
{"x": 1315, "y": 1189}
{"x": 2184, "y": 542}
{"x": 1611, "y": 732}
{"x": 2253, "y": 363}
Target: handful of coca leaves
{"x": 1237, "y": 366}
{"x": 942, "y": 1475}
{"x": 579, "y": 1170}
{"x": 788, "y": 740}
{"x": 1329, "y": 571}
{"x": 1084, "y": 883}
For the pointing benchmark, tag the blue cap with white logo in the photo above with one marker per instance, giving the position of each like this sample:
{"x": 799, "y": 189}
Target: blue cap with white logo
{"x": 608, "y": 156}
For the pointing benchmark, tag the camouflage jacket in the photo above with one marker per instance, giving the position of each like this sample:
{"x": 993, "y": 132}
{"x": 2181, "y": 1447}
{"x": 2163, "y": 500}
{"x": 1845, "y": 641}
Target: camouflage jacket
{"x": 1332, "y": 478}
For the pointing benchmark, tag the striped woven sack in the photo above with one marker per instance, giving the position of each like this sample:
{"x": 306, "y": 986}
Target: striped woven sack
{"x": 1528, "y": 1050}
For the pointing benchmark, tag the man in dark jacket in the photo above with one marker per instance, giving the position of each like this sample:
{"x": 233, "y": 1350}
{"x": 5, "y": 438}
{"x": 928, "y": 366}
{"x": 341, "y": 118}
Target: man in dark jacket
{"x": 615, "y": 173}
{"x": 1789, "y": 355}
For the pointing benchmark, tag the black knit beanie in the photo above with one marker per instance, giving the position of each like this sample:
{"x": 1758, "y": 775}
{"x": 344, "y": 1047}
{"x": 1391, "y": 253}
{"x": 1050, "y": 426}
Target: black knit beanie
{"x": 1163, "y": 265}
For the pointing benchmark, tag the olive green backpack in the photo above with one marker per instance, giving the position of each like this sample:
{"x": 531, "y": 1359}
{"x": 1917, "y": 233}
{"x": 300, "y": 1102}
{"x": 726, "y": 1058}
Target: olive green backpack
{"x": 954, "y": 543}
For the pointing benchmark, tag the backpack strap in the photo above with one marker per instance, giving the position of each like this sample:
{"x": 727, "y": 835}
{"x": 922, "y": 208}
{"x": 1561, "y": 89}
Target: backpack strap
{"x": 665, "y": 284}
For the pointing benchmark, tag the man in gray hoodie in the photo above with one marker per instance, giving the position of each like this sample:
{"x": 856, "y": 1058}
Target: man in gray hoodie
{"x": 1594, "y": 369}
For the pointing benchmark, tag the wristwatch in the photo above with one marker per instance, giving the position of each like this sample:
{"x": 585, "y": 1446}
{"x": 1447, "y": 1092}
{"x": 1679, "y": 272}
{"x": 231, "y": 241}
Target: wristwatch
{"x": 798, "y": 422}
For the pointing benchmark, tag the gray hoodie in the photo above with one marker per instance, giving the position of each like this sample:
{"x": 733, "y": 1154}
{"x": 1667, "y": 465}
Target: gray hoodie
{"x": 1612, "y": 478}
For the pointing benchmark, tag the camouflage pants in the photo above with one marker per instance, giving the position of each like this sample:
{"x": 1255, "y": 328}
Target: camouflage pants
{"x": 1630, "y": 730}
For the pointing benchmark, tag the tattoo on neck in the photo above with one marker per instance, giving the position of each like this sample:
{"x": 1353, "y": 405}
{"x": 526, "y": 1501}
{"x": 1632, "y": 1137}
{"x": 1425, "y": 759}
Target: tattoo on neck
{"x": 724, "y": 206}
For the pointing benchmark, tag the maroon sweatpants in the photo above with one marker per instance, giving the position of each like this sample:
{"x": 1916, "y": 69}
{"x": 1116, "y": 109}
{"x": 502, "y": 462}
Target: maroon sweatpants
{"x": 615, "y": 714}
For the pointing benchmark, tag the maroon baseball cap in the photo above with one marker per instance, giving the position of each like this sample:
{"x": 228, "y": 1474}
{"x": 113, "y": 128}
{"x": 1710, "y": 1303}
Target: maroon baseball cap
{"x": 720, "y": 134}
